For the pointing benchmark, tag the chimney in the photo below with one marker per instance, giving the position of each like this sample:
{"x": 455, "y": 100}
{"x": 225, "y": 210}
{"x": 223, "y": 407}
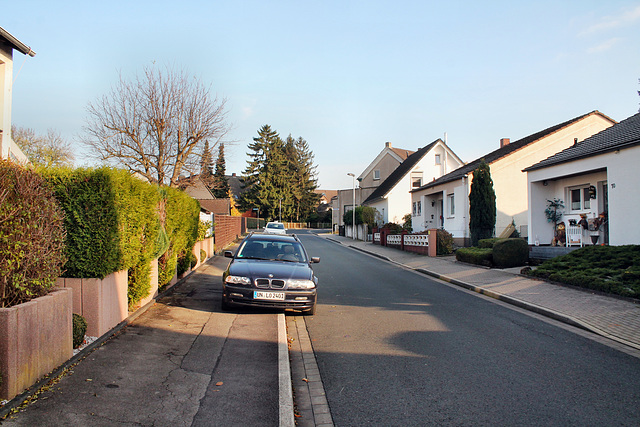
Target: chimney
{"x": 387, "y": 144}
{"x": 504, "y": 142}
{"x": 233, "y": 174}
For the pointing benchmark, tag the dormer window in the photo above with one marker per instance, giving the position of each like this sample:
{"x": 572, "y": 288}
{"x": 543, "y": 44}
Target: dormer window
{"x": 376, "y": 174}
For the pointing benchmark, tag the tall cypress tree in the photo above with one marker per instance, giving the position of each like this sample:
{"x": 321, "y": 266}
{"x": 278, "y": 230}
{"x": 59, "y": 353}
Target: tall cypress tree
{"x": 220, "y": 184}
{"x": 482, "y": 204}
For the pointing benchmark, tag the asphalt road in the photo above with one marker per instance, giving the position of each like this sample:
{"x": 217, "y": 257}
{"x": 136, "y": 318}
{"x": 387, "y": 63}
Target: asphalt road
{"x": 398, "y": 348}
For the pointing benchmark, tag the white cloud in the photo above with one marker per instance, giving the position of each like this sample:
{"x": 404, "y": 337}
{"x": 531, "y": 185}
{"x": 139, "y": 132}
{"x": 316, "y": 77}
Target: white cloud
{"x": 604, "y": 46}
{"x": 623, "y": 19}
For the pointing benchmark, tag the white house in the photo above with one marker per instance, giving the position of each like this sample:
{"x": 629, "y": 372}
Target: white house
{"x": 445, "y": 201}
{"x": 8, "y": 43}
{"x": 597, "y": 176}
{"x": 378, "y": 170}
{"x": 392, "y": 198}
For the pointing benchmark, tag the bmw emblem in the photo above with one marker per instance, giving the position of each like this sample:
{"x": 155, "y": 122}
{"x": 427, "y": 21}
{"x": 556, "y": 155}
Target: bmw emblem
{"x": 270, "y": 276}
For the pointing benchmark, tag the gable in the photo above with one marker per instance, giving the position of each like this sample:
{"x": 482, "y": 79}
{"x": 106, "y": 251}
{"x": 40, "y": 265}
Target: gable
{"x": 509, "y": 149}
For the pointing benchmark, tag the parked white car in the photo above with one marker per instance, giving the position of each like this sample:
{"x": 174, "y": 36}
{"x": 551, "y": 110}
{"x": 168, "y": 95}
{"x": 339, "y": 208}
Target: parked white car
{"x": 275, "y": 228}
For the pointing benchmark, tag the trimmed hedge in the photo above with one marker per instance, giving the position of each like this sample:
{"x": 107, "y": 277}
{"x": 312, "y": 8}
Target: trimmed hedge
{"x": 115, "y": 221}
{"x": 488, "y": 243}
{"x": 180, "y": 215}
{"x": 478, "y": 256}
{"x": 79, "y": 330}
{"x": 510, "y": 253}
{"x": 31, "y": 235}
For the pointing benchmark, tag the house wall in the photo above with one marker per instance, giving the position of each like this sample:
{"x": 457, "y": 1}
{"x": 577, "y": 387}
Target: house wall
{"x": 386, "y": 165}
{"x": 435, "y": 204}
{"x": 621, "y": 173}
{"x": 8, "y": 148}
{"x": 510, "y": 183}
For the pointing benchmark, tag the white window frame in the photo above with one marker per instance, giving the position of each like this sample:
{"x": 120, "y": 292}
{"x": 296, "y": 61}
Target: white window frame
{"x": 451, "y": 205}
{"x": 585, "y": 199}
{"x": 438, "y": 159}
{"x": 376, "y": 174}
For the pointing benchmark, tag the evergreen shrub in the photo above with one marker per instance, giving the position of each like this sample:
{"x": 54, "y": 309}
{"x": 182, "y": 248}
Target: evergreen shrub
{"x": 79, "y": 330}
{"x": 181, "y": 216}
{"x": 444, "y": 241}
{"x": 510, "y": 253}
{"x": 31, "y": 235}
{"x": 488, "y": 243}
{"x": 473, "y": 255}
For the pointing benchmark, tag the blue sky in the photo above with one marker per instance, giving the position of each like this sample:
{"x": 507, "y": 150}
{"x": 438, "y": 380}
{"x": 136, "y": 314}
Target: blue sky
{"x": 345, "y": 75}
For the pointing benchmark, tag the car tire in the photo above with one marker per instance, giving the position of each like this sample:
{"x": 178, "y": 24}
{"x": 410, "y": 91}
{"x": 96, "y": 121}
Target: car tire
{"x": 311, "y": 311}
{"x": 225, "y": 305}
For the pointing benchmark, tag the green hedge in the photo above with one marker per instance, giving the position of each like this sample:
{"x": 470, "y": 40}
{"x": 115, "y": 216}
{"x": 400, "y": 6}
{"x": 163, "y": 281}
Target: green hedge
{"x": 91, "y": 220}
{"x": 488, "y": 243}
{"x": 115, "y": 221}
{"x": 510, "y": 253}
{"x": 31, "y": 235}
{"x": 479, "y": 256}
{"x": 181, "y": 215}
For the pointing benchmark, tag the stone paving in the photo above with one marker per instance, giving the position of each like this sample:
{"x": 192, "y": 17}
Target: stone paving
{"x": 615, "y": 318}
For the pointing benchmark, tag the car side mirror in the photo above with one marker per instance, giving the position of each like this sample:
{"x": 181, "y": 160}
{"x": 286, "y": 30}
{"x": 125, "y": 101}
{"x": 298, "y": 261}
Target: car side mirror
{"x": 315, "y": 259}
{"x": 228, "y": 254}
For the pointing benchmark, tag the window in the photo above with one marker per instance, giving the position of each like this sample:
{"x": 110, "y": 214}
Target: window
{"x": 579, "y": 198}
{"x": 451, "y": 201}
{"x": 416, "y": 179}
{"x": 376, "y": 174}
{"x": 438, "y": 161}
{"x": 417, "y": 208}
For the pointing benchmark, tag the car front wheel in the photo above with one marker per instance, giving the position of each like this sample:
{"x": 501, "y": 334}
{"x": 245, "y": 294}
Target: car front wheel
{"x": 311, "y": 311}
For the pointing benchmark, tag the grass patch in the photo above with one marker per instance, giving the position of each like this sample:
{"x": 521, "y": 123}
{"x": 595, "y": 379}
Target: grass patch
{"x": 611, "y": 269}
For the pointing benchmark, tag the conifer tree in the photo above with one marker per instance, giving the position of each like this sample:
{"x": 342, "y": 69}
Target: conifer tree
{"x": 280, "y": 177}
{"x": 220, "y": 184}
{"x": 206, "y": 169}
{"x": 482, "y": 204}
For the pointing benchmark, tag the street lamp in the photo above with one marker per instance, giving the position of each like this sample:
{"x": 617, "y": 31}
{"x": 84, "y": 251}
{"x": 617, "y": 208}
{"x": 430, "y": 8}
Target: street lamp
{"x": 353, "y": 230}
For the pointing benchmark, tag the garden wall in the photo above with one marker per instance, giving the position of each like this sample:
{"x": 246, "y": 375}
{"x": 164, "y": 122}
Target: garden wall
{"x": 35, "y": 338}
{"x": 103, "y": 303}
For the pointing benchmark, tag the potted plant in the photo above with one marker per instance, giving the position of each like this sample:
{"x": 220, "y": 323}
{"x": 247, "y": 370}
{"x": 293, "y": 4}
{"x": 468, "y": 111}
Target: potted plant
{"x": 554, "y": 214}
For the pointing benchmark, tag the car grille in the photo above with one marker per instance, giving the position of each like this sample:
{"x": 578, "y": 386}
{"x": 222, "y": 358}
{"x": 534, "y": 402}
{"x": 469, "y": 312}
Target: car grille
{"x": 270, "y": 283}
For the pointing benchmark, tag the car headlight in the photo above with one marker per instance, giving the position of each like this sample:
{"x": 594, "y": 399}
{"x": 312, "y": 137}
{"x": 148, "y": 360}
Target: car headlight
{"x": 300, "y": 284}
{"x": 238, "y": 280}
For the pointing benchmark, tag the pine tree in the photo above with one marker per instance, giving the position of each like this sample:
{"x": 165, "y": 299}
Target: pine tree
{"x": 206, "y": 169}
{"x": 482, "y": 204}
{"x": 220, "y": 184}
{"x": 280, "y": 177}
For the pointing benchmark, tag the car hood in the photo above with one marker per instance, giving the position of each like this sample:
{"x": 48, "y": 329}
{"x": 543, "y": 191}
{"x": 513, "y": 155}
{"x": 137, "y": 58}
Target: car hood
{"x": 262, "y": 268}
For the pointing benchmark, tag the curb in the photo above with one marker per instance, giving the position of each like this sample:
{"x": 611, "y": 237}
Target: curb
{"x": 58, "y": 372}
{"x": 285, "y": 389}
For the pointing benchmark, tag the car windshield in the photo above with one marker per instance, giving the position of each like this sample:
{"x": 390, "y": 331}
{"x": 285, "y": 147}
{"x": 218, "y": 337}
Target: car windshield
{"x": 275, "y": 225}
{"x": 269, "y": 250}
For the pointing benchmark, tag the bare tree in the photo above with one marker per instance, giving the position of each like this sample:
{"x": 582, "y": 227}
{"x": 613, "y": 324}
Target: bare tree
{"x": 155, "y": 125}
{"x": 43, "y": 150}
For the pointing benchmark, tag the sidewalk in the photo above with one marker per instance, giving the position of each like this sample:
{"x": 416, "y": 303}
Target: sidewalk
{"x": 610, "y": 317}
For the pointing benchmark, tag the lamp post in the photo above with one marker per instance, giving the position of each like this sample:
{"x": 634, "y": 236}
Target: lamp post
{"x": 353, "y": 231}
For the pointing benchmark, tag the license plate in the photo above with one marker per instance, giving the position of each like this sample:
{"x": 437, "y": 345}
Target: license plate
{"x": 272, "y": 296}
